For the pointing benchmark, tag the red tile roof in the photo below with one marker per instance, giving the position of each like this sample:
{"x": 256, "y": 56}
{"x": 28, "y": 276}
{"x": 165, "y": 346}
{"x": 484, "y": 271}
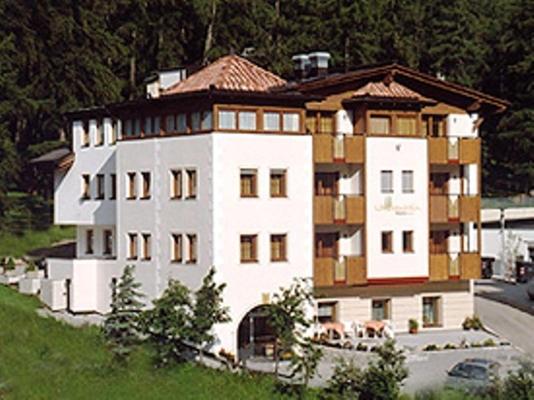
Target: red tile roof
{"x": 392, "y": 90}
{"x": 229, "y": 73}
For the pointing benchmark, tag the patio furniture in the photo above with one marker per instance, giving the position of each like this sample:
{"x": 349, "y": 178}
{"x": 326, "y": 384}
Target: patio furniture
{"x": 374, "y": 328}
{"x": 388, "y": 331}
{"x": 333, "y": 328}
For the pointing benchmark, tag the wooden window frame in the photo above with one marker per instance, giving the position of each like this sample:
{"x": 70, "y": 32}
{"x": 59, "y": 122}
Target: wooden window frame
{"x": 283, "y": 182}
{"x": 389, "y": 117}
{"x": 330, "y": 304}
{"x": 86, "y": 187}
{"x": 408, "y": 241}
{"x": 236, "y": 119}
{"x": 100, "y": 187}
{"x": 132, "y": 185}
{"x": 411, "y": 189}
{"x": 253, "y": 250}
{"x": 192, "y": 183}
{"x": 146, "y": 179}
{"x": 392, "y": 189}
{"x": 176, "y": 184}
{"x": 387, "y": 307}
{"x": 280, "y": 121}
{"x": 133, "y": 251}
{"x": 298, "y": 114}
{"x": 177, "y": 248}
{"x": 89, "y": 241}
{"x": 386, "y": 242}
{"x": 283, "y": 243}
{"x": 243, "y": 172}
{"x": 147, "y": 246}
{"x": 107, "y": 241}
{"x": 192, "y": 248}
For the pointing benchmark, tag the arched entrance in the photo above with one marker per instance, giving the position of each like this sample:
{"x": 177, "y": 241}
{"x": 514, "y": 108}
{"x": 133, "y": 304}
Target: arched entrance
{"x": 255, "y": 338}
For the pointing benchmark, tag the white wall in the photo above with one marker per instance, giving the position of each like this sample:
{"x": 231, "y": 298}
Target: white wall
{"x": 461, "y": 125}
{"x": 407, "y": 211}
{"x": 98, "y": 241}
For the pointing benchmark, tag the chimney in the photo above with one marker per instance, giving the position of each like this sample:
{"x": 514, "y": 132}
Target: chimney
{"x": 319, "y": 63}
{"x": 163, "y": 80}
{"x": 301, "y": 63}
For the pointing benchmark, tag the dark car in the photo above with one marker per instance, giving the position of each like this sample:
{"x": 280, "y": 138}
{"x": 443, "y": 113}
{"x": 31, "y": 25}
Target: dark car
{"x": 473, "y": 374}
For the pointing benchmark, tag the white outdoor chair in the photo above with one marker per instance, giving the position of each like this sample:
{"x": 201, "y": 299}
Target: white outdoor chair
{"x": 388, "y": 331}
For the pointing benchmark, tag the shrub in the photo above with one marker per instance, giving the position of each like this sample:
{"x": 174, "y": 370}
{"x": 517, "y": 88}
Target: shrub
{"x": 346, "y": 381}
{"x": 431, "y": 347}
{"x": 361, "y": 347}
{"x": 473, "y": 322}
{"x": 489, "y": 343}
{"x": 519, "y": 385}
{"x": 413, "y": 325}
{"x": 450, "y": 346}
{"x": 10, "y": 264}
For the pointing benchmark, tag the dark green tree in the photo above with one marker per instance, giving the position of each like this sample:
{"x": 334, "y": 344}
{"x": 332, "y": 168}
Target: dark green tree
{"x": 121, "y": 328}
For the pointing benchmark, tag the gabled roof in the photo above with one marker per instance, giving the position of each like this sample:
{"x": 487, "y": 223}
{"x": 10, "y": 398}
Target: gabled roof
{"x": 391, "y": 90}
{"x": 230, "y": 73}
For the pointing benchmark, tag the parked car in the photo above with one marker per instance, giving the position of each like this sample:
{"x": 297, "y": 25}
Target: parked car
{"x": 530, "y": 289}
{"x": 473, "y": 375}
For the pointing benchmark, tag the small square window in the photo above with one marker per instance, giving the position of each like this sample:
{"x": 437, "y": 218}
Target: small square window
{"x": 278, "y": 247}
{"x": 407, "y": 182}
{"x": 386, "y": 181}
{"x": 100, "y": 185}
{"x": 381, "y": 309}
{"x": 191, "y": 249}
{"x": 146, "y": 185}
{"x": 113, "y": 183}
{"x": 248, "y": 180}
{"x": 326, "y": 312}
{"x": 177, "y": 248}
{"x": 407, "y": 241}
{"x": 380, "y": 125}
{"x": 132, "y": 246}
{"x": 278, "y": 183}
{"x": 227, "y": 120}
{"x": 132, "y": 186}
{"x": 176, "y": 184}
{"x": 271, "y": 121}
{"x": 387, "y": 242}
{"x": 249, "y": 248}
{"x": 247, "y": 120}
{"x": 86, "y": 187}
{"x": 147, "y": 246}
{"x": 291, "y": 122}
{"x": 191, "y": 176}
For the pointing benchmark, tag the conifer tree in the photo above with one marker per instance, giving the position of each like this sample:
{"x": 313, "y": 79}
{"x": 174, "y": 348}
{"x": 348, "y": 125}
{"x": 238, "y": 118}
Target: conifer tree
{"x": 121, "y": 327}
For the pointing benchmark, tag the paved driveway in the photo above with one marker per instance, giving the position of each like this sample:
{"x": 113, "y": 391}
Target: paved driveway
{"x": 507, "y": 293}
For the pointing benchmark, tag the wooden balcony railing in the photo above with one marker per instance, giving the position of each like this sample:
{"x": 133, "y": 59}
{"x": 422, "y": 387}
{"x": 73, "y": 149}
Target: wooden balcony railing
{"x": 462, "y": 266}
{"x": 347, "y": 270}
{"x": 342, "y": 209}
{"x": 330, "y": 148}
{"x": 454, "y": 208}
{"x": 443, "y": 150}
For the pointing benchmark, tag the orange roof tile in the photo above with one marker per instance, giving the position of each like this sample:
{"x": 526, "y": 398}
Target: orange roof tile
{"x": 229, "y": 73}
{"x": 391, "y": 90}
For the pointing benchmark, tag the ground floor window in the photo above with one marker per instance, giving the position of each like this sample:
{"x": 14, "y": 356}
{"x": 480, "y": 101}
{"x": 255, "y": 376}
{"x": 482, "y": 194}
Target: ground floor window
{"x": 381, "y": 309}
{"x": 326, "y": 312}
{"x": 431, "y": 311}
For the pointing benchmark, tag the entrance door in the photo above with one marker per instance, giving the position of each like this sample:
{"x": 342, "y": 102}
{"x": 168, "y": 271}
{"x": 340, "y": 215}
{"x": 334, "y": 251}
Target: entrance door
{"x": 255, "y": 335}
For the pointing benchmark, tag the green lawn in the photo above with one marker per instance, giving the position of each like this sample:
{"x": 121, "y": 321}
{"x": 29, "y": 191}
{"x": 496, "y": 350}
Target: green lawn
{"x": 18, "y": 245}
{"x": 44, "y": 359}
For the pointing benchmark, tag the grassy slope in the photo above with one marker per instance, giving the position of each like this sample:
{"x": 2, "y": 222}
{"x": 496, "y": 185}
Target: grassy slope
{"x": 17, "y": 246}
{"x": 43, "y": 359}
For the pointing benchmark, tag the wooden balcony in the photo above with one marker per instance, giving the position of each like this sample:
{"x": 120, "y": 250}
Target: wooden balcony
{"x": 453, "y": 208}
{"x": 439, "y": 267}
{"x": 444, "y": 150}
{"x": 354, "y": 149}
{"x": 329, "y": 148}
{"x": 323, "y": 271}
{"x": 348, "y": 209}
{"x": 356, "y": 270}
{"x": 470, "y": 266}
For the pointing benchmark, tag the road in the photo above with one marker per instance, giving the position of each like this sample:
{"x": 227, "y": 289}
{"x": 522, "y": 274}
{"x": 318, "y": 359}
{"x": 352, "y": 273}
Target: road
{"x": 507, "y": 293}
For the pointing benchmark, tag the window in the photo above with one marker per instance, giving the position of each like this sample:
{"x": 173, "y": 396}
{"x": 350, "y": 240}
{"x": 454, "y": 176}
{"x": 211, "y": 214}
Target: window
{"x": 249, "y": 248}
{"x": 170, "y": 123}
{"x": 137, "y": 127}
{"x": 271, "y": 121}
{"x": 387, "y": 242}
{"x": 86, "y": 187}
{"x": 381, "y": 309}
{"x": 386, "y": 181}
{"x": 113, "y": 182}
{"x": 100, "y": 188}
{"x": 191, "y": 175}
{"x": 326, "y": 312}
{"x": 406, "y": 126}
{"x": 128, "y": 128}
{"x": 247, "y": 120}
{"x": 326, "y": 245}
{"x": 147, "y": 244}
{"x": 311, "y": 123}
{"x": 248, "y": 183}
{"x": 326, "y": 184}
{"x": 85, "y": 134}
{"x": 181, "y": 123}
{"x": 434, "y": 125}
{"x": 191, "y": 248}
{"x": 89, "y": 238}
{"x": 380, "y": 125}
{"x": 132, "y": 186}
{"x": 278, "y": 183}
{"x": 108, "y": 242}
{"x": 115, "y": 129}
{"x": 152, "y": 125}
{"x": 132, "y": 246}
{"x": 439, "y": 242}
{"x": 407, "y": 241}
{"x": 326, "y": 123}
{"x": 176, "y": 184}
{"x": 148, "y": 125}
{"x": 291, "y": 122}
{"x": 206, "y": 123}
{"x": 407, "y": 181}
{"x": 278, "y": 247}
{"x": 176, "y": 247}
{"x": 227, "y": 120}
{"x": 99, "y": 140}
{"x": 195, "y": 121}
{"x": 431, "y": 311}
{"x": 146, "y": 185}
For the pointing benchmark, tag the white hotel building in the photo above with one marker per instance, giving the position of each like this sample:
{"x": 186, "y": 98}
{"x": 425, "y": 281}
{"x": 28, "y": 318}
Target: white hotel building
{"x": 368, "y": 182}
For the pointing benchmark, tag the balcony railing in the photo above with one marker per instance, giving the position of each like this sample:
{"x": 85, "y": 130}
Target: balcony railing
{"x": 443, "y": 150}
{"x": 454, "y": 208}
{"x": 340, "y": 209}
{"x": 330, "y": 148}
{"x": 445, "y": 266}
{"x": 345, "y": 270}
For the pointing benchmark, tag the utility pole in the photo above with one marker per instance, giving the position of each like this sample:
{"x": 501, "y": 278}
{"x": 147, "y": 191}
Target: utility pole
{"x": 503, "y": 270}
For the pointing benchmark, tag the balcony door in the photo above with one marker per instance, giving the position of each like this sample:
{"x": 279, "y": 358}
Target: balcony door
{"x": 439, "y": 183}
{"x": 439, "y": 242}
{"x": 326, "y": 184}
{"x": 326, "y": 245}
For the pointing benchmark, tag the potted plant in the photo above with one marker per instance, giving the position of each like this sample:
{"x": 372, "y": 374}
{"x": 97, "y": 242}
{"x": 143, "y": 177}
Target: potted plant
{"x": 413, "y": 326}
